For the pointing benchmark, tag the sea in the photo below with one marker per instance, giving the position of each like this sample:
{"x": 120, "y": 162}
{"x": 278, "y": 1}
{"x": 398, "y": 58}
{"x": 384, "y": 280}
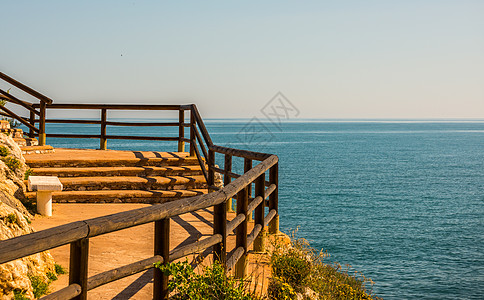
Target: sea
{"x": 400, "y": 201}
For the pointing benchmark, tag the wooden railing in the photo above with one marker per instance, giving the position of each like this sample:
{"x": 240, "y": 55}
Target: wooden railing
{"x": 252, "y": 191}
{"x": 40, "y": 111}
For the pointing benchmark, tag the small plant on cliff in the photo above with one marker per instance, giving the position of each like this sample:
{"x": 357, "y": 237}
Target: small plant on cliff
{"x": 19, "y": 295}
{"x": 299, "y": 269}
{"x": 39, "y": 285}
{"x": 4, "y": 151}
{"x": 12, "y": 163}
{"x": 213, "y": 283}
{"x": 59, "y": 270}
{"x": 12, "y": 219}
{"x": 28, "y": 173}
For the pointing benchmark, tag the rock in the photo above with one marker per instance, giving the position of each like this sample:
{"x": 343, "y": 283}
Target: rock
{"x": 14, "y": 221}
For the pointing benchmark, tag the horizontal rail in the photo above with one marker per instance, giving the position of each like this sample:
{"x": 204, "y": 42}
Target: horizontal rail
{"x": 124, "y": 271}
{"x": 269, "y": 217}
{"x": 240, "y": 153}
{"x": 253, "y": 204}
{"x": 234, "y": 257}
{"x": 222, "y": 171}
{"x": 25, "y": 88}
{"x": 195, "y": 247}
{"x": 19, "y": 118}
{"x": 69, "y": 292}
{"x": 113, "y": 137}
{"x": 15, "y": 100}
{"x": 253, "y": 234}
{"x": 117, "y": 106}
{"x": 235, "y": 222}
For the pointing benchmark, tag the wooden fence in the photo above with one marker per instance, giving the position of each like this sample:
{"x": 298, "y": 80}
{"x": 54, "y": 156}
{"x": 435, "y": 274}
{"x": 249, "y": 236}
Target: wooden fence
{"x": 252, "y": 190}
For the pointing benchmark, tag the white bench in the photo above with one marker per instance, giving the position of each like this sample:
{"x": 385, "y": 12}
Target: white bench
{"x": 44, "y": 186}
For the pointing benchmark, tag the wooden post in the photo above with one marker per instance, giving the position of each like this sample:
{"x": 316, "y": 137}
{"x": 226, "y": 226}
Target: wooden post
{"x": 259, "y": 242}
{"x": 32, "y": 122}
{"x": 181, "y": 130}
{"x": 162, "y": 248}
{"x": 273, "y": 199}
{"x": 104, "y": 142}
{"x": 211, "y": 172}
{"x": 228, "y": 179}
{"x": 241, "y": 233}
{"x": 78, "y": 266}
{"x": 219, "y": 218}
{"x": 192, "y": 133}
{"x": 42, "y": 124}
{"x": 247, "y": 167}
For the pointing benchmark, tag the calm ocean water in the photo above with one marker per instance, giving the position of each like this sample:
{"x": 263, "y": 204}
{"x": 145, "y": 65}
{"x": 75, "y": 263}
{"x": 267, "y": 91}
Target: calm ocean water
{"x": 402, "y": 202}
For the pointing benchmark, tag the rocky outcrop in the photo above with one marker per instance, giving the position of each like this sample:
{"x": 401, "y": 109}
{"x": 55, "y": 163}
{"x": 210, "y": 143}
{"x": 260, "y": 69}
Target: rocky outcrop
{"x": 15, "y": 276}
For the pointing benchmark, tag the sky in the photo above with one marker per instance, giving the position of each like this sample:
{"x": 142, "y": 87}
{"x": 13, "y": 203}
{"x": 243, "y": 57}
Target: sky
{"x": 330, "y": 59}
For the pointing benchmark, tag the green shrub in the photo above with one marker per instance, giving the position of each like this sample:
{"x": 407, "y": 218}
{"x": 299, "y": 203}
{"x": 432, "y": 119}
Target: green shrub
{"x": 12, "y": 218}
{"x": 27, "y": 220}
{"x": 59, "y": 270}
{"x": 19, "y": 295}
{"x": 299, "y": 267}
{"x": 278, "y": 289}
{"x": 12, "y": 163}
{"x": 213, "y": 283}
{"x": 4, "y": 151}
{"x": 39, "y": 285}
{"x": 51, "y": 276}
{"x": 28, "y": 173}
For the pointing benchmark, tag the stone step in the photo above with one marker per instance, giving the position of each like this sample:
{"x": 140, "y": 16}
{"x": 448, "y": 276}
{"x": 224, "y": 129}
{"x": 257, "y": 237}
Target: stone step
{"x": 133, "y": 183}
{"x": 15, "y": 132}
{"x": 4, "y": 124}
{"x": 37, "y": 149}
{"x": 120, "y": 196}
{"x": 108, "y": 158}
{"x": 119, "y": 171}
{"x": 26, "y": 141}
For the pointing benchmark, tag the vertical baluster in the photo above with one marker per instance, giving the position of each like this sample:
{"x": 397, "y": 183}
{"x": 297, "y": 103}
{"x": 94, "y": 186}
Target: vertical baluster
{"x": 42, "y": 124}
{"x": 219, "y": 218}
{"x": 103, "y": 143}
{"x": 192, "y": 133}
{"x": 247, "y": 167}
{"x": 32, "y": 122}
{"x": 273, "y": 199}
{"x": 181, "y": 130}
{"x": 78, "y": 266}
{"x": 241, "y": 233}
{"x": 162, "y": 248}
{"x": 228, "y": 179}
{"x": 259, "y": 213}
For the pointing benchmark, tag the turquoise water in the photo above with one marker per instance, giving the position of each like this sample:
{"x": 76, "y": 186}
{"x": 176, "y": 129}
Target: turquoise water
{"x": 402, "y": 202}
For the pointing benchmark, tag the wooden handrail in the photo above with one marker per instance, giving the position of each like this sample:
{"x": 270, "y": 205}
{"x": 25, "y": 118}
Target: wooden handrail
{"x": 25, "y": 88}
{"x": 11, "y": 98}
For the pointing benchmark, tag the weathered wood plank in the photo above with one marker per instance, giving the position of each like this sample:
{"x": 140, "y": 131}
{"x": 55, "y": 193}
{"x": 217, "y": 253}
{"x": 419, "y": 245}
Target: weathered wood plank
{"x": 39, "y": 241}
{"x": 124, "y": 271}
{"x": 69, "y": 292}
{"x": 195, "y": 247}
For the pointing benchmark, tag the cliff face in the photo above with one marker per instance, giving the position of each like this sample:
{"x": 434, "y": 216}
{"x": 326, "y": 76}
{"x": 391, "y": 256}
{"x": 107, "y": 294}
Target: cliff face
{"x": 15, "y": 276}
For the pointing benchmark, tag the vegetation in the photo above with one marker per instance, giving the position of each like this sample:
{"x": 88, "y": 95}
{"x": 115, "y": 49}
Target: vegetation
{"x": 11, "y": 218}
{"x": 59, "y": 270}
{"x": 19, "y": 295}
{"x": 4, "y": 151}
{"x": 39, "y": 285}
{"x": 12, "y": 163}
{"x": 28, "y": 173}
{"x": 212, "y": 283}
{"x": 299, "y": 269}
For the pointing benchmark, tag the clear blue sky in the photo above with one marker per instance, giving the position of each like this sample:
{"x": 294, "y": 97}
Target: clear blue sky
{"x": 332, "y": 59}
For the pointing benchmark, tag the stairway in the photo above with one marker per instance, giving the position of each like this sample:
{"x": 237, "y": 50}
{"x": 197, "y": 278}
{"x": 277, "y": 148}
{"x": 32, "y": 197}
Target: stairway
{"x": 17, "y": 134}
{"x": 109, "y": 176}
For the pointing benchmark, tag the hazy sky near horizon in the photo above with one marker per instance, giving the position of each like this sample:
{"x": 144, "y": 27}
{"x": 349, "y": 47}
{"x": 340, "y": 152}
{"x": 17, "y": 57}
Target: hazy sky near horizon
{"x": 331, "y": 59}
